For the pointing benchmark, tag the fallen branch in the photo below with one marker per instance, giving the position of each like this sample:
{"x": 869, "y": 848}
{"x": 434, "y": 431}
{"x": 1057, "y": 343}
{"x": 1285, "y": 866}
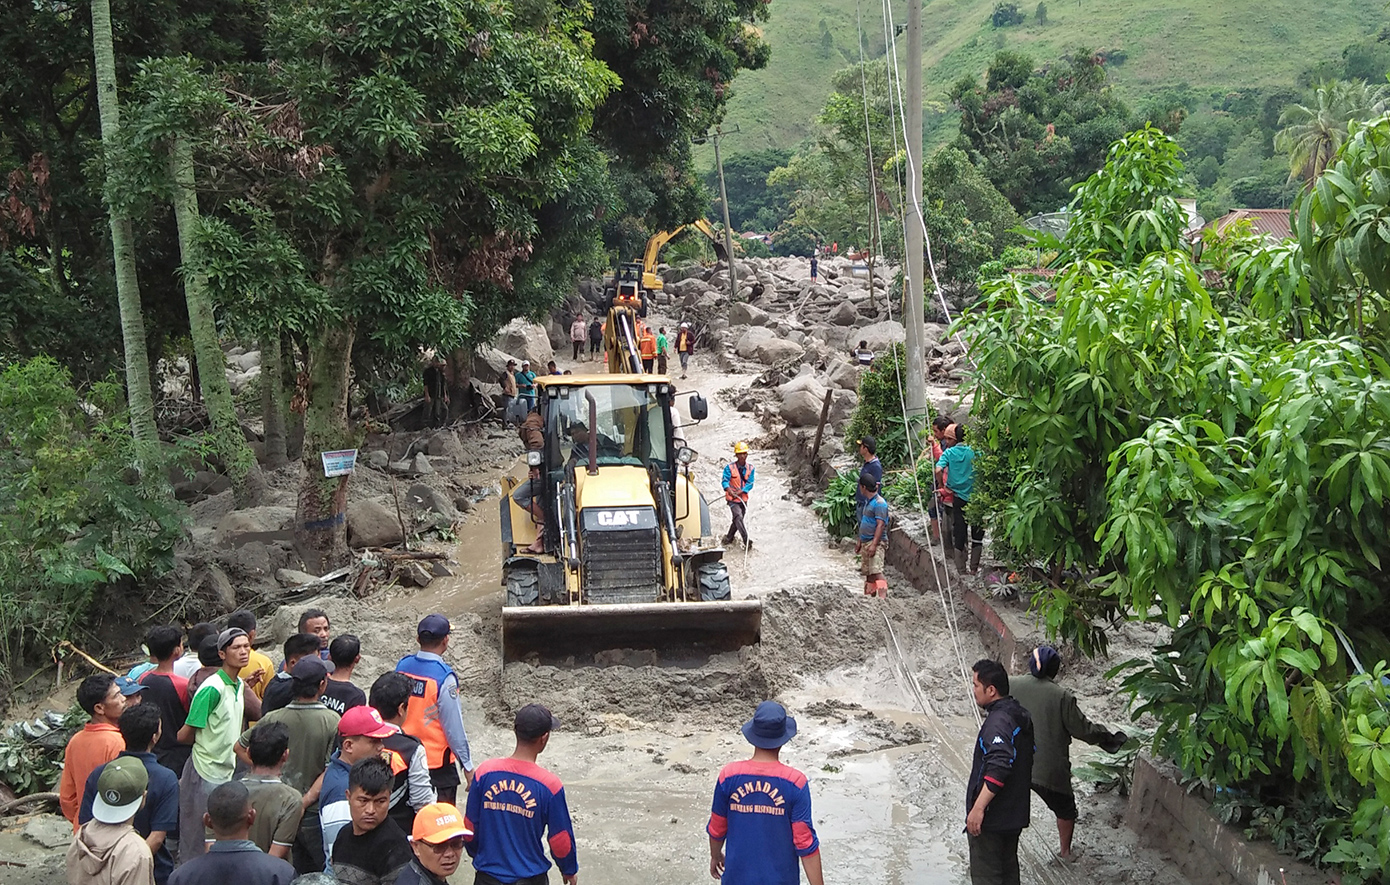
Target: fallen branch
{"x": 27, "y": 800}
{"x": 82, "y": 654}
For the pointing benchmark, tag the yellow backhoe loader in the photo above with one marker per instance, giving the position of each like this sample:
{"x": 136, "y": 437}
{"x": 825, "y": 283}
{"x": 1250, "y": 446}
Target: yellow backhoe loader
{"x": 629, "y": 558}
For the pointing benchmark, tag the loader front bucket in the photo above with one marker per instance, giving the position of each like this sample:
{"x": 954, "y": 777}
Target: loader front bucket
{"x": 685, "y": 628}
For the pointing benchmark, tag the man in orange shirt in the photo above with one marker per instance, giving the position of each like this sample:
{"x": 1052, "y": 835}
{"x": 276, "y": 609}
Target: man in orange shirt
{"x": 96, "y": 744}
{"x": 646, "y": 344}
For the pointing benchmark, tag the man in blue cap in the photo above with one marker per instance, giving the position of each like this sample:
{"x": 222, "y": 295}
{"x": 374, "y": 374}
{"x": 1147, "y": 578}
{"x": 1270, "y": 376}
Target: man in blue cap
{"x": 762, "y": 810}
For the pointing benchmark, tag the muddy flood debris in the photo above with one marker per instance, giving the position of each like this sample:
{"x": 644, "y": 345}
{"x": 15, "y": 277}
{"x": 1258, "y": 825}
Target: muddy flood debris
{"x": 885, "y": 726}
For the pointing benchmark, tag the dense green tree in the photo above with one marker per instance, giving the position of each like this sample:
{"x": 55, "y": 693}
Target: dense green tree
{"x": 753, "y": 204}
{"x": 676, "y": 64}
{"x": 1212, "y": 458}
{"x": 400, "y": 163}
{"x": 1036, "y": 132}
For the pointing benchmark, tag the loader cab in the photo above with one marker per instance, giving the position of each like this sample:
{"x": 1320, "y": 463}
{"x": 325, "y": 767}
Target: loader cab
{"x": 625, "y": 425}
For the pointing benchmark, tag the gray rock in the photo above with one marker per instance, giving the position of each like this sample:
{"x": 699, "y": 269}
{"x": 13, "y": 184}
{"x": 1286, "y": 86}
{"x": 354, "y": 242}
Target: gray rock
{"x": 743, "y": 314}
{"x": 776, "y": 350}
{"x": 526, "y": 341}
{"x": 422, "y": 465}
{"x": 377, "y": 460}
{"x": 400, "y": 467}
{"x": 373, "y": 524}
{"x": 488, "y": 363}
{"x": 221, "y": 589}
{"x": 844, "y": 314}
{"x": 289, "y": 577}
{"x": 414, "y": 574}
{"x": 48, "y": 830}
{"x": 252, "y": 521}
{"x": 845, "y": 375}
{"x": 801, "y": 408}
{"x": 464, "y": 504}
{"x": 423, "y": 497}
{"x": 882, "y": 336}
{"x": 747, "y": 345}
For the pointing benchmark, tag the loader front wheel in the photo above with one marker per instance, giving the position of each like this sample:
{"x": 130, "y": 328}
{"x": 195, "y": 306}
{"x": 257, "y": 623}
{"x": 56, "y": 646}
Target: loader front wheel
{"x": 523, "y": 586}
{"x": 714, "y": 581}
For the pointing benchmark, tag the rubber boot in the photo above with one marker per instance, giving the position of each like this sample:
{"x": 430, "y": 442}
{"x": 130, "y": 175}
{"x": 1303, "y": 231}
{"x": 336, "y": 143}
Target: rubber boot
{"x": 975, "y": 552}
{"x": 958, "y": 554}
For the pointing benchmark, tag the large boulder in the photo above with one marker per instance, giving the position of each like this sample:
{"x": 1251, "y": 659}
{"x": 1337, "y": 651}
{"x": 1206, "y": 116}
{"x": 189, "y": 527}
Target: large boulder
{"x": 245, "y": 362}
{"x": 687, "y": 286}
{"x": 743, "y": 314}
{"x": 526, "y": 341}
{"x": 488, "y": 363}
{"x": 373, "y": 524}
{"x": 256, "y": 521}
{"x": 844, "y": 314}
{"x": 747, "y": 346}
{"x": 801, "y": 403}
{"x": 776, "y": 350}
{"x": 882, "y": 336}
{"x": 845, "y": 375}
{"x": 426, "y": 498}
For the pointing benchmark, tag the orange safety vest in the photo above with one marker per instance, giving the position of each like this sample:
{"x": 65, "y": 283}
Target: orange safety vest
{"x": 422, "y": 710}
{"x": 648, "y": 346}
{"x": 735, "y": 490}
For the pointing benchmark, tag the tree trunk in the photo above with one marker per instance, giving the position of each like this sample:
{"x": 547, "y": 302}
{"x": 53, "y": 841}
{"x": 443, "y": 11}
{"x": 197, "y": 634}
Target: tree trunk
{"x": 460, "y": 391}
{"x": 139, "y": 393}
{"x": 228, "y": 442}
{"x": 320, "y": 530}
{"x": 273, "y": 401}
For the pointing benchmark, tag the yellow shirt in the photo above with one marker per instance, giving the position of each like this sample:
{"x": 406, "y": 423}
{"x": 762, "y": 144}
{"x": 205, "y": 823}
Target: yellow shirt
{"x": 258, "y": 662}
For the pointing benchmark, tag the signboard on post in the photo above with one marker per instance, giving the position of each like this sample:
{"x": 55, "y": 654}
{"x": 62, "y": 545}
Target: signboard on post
{"x": 339, "y": 463}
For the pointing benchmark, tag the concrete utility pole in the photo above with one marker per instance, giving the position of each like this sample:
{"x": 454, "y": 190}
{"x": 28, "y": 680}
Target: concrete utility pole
{"x": 724, "y": 202}
{"x": 913, "y": 317}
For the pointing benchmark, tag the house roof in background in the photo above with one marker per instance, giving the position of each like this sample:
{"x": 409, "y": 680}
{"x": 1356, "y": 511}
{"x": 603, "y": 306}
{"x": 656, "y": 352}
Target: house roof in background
{"x": 1272, "y": 223}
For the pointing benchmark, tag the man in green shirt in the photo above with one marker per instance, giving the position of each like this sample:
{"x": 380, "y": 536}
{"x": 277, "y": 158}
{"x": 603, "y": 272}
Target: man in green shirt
{"x": 312, "y": 726}
{"x": 278, "y": 806}
{"x": 212, "y": 726}
{"x": 1056, "y": 720}
{"x": 663, "y": 351}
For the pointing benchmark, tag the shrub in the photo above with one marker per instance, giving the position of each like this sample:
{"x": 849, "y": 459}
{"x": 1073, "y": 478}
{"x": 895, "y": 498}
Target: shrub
{"x": 75, "y": 514}
{"x": 880, "y": 410}
{"x": 1005, "y": 15}
{"x": 836, "y": 507}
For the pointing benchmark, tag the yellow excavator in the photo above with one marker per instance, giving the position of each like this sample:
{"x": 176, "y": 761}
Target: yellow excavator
{"x": 607, "y": 541}
{"x": 639, "y": 279}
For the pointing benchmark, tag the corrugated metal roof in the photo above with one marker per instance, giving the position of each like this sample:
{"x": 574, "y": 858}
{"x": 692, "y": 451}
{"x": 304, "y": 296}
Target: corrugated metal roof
{"x": 1272, "y": 223}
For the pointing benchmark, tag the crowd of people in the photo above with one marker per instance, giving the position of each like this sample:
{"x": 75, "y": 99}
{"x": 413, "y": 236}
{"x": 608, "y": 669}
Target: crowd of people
{"x": 278, "y": 772}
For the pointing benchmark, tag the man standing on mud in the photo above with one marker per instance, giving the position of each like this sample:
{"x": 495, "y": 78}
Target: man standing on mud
{"x": 996, "y": 797}
{"x": 433, "y": 713}
{"x": 738, "y": 482}
{"x": 760, "y": 822}
{"x": 685, "y": 346}
{"x": 1056, "y": 720}
{"x": 516, "y": 809}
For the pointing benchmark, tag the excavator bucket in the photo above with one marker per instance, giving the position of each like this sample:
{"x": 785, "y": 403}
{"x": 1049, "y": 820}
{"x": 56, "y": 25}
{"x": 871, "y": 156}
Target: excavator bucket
{"x": 673, "y": 628}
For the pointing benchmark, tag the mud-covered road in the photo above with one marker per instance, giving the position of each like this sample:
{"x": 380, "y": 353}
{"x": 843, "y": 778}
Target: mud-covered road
{"x": 643, "y": 739}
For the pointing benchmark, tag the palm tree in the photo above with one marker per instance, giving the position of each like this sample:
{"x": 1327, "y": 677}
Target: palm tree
{"x": 137, "y": 366}
{"x": 1312, "y": 135}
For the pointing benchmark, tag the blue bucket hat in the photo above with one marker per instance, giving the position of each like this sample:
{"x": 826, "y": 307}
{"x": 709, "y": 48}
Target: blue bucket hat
{"x": 770, "y": 726}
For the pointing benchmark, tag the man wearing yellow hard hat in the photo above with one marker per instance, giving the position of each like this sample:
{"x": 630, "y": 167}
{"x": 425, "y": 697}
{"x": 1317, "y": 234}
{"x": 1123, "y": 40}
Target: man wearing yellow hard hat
{"x": 738, "y": 482}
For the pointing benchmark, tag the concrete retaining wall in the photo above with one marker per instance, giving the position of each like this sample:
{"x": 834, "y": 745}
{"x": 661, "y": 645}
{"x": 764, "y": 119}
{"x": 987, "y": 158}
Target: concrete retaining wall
{"x": 1162, "y": 812}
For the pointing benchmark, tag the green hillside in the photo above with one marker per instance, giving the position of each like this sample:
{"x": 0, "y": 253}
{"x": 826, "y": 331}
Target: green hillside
{"x": 1210, "y": 45}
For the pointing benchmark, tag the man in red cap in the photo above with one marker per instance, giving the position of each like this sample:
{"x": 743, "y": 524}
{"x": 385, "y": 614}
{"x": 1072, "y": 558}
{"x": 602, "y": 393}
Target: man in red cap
{"x": 516, "y": 808}
{"x": 762, "y": 811}
{"x": 362, "y": 730}
{"x": 433, "y": 713}
{"x": 437, "y": 841}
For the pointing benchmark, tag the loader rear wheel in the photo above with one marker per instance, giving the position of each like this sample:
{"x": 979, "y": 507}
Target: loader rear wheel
{"x": 714, "y": 581}
{"x": 523, "y": 587}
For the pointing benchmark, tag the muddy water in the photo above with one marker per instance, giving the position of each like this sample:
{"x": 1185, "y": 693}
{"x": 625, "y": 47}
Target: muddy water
{"x": 639, "y": 783}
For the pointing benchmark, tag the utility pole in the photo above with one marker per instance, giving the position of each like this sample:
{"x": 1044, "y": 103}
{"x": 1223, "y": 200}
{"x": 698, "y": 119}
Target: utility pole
{"x": 913, "y": 316}
{"x": 724, "y": 202}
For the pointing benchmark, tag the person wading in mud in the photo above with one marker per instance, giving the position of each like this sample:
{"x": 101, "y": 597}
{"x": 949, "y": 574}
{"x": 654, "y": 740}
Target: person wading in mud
{"x": 873, "y": 537}
{"x": 1056, "y": 720}
{"x": 760, "y": 821}
{"x": 738, "y": 482}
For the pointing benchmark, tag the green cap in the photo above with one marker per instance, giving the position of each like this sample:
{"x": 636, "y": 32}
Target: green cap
{"x": 120, "y": 790}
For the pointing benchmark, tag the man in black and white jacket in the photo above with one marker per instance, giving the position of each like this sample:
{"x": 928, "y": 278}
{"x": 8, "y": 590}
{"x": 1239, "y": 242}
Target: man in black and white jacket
{"x": 1001, "y": 774}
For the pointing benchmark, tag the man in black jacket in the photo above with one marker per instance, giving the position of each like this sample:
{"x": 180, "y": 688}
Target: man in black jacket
{"x": 1001, "y": 773}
